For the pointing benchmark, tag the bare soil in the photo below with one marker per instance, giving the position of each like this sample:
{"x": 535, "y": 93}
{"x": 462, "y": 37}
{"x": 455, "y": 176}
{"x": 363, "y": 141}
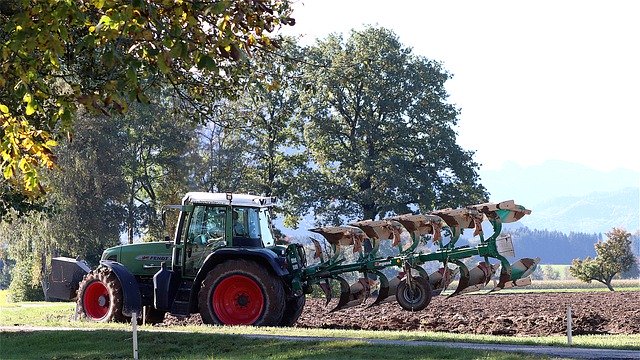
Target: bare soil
{"x": 527, "y": 314}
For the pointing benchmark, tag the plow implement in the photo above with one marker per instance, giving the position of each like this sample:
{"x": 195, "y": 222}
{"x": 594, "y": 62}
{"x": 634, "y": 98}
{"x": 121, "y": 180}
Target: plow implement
{"x": 357, "y": 274}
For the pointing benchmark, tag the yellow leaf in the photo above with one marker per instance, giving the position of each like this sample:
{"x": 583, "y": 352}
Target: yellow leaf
{"x": 8, "y": 172}
{"x": 27, "y": 98}
{"x": 4, "y": 108}
{"x": 22, "y": 164}
{"x": 30, "y": 109}
{"x": 50, "y": 143}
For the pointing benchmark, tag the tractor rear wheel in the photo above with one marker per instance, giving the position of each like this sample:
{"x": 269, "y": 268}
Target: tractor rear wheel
{"x": 100, "y": 296}
{"x": 292, "y": 310}
{"x": 415, "y": 297}
{"x": 241, "y": 292}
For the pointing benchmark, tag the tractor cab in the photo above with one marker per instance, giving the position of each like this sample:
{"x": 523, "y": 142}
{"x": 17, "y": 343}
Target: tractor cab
{"x": 210, "y": 221}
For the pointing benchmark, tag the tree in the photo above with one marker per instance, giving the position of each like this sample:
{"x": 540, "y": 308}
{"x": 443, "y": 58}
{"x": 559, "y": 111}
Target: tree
{"x": 256, "y": 144}
{"x": 87, "y": 193}
{"x": 103, "y": 55}
{"x": 381, "y": 131}
{"x": 613, "y": 257}
{"x": 29, "y": 242}
{"x": 157, "y": 139}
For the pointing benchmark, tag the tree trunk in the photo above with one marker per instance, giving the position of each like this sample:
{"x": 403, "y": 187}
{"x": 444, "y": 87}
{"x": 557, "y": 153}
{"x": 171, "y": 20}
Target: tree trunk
{"x": 608, "y": 283}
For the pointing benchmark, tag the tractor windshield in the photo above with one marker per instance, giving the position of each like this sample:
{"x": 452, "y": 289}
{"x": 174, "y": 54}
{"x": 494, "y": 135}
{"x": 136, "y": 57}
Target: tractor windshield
{"x": 252, "y": 224}
{"x": 265, "y": 227}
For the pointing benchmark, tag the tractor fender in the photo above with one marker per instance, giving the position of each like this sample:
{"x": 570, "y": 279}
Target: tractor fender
{"x": 131, "y": 299}
{"x": 265, "y": 257}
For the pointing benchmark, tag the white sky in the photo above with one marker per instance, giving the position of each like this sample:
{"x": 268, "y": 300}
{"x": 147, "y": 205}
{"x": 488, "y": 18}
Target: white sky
{"x": 536, "y": 80}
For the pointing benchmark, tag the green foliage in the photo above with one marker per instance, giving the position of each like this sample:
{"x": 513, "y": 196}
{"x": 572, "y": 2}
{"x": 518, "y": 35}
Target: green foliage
{"x": 87, "y": 191}
{"x": 380, "y": 131}
{"x": 12, "y": 198}
{"x": 157, "y": 140}
{"x": 256, "y": 143}
{"x": 550, "y": 273}
{"x": 6, "y": 265}
{"x": 102, "y": 55}
{"x": 28, "y": 242}
{"x": 23, "y": 287}
{"x": 613, "y": 257}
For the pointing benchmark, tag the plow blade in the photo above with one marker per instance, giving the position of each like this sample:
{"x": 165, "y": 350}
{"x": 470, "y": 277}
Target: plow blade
{"x": 474, "y": 279}
{"x": 339, "y": 236}
{"x": 508, "y": 211}
{"x": 386, "y": 290}
{"x": 352, "y": 295}
{"x": 441, "y": 278}
{"x": 421, "y": 224}
{"x": 520, "y": 271}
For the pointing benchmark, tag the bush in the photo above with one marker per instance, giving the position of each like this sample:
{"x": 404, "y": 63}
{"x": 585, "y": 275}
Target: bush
{"x": 22, "y": 287}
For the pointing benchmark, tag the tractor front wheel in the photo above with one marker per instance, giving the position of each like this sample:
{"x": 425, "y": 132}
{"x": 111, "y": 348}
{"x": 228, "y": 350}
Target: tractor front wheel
{"x": 415, "y": 296}
{"x": 241, "y": 292}
{"x": 100, "y": 296}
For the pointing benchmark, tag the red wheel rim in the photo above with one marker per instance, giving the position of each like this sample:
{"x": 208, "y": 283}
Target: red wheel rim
{"x": 237, "y": 300}
{"x": 96, "y": 300}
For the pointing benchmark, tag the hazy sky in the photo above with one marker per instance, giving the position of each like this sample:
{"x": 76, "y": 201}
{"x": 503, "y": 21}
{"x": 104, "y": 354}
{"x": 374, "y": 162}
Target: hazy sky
{"x": 535, "y": 80}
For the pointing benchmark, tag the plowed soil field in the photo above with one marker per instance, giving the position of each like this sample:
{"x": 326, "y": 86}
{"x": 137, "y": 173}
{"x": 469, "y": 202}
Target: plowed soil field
{"x": 527, "y": 314}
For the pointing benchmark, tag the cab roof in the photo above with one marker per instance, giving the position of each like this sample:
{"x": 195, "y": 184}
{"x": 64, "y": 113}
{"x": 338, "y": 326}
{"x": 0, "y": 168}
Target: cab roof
{"x": 223, "y": 199}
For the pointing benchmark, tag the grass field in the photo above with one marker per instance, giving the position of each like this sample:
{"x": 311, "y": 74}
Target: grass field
{"x": 114, "y": 344}
{"x": 114, "y": 341}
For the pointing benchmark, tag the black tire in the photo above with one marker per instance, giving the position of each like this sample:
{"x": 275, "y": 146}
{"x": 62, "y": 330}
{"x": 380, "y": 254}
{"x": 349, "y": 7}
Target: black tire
{"x": 292, "y": 310}
{"x": 241, "y": 292}
{"x": 415, "y": 299}
{"x": 100, "y": 296}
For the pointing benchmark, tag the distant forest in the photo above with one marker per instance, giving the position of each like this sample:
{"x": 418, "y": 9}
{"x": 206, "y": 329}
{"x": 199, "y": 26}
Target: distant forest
{"x": 555, "y": 247}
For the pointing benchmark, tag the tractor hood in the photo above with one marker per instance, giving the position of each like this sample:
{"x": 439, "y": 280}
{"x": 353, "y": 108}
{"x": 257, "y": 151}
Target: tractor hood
{"x": 141, "y": 258}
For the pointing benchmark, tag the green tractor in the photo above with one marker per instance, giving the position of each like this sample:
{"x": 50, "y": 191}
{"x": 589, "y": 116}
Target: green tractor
{"x": 224, "y": 264}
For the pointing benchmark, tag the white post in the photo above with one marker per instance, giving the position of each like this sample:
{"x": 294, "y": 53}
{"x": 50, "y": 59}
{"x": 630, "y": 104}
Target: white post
{"x": 569, "y": 326}
{"x": 134, "y": 324}
{"x": 144, "y": 315}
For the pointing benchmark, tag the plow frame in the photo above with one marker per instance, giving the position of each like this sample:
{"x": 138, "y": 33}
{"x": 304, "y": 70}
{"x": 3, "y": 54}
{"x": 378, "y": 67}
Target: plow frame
{"x": 365, "y": 237}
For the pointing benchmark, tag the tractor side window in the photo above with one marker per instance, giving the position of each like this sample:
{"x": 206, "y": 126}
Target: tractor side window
{"x": 246, "y": 227}
{"x": 207, "y": 225}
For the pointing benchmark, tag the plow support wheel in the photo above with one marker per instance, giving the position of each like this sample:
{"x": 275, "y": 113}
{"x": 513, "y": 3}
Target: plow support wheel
{"x": 414, "y": 294}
